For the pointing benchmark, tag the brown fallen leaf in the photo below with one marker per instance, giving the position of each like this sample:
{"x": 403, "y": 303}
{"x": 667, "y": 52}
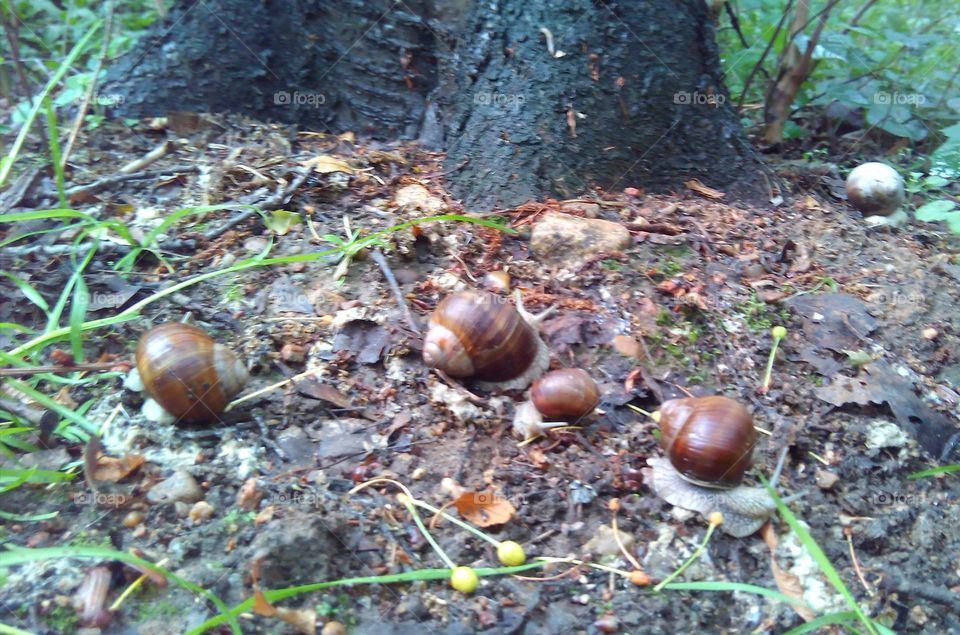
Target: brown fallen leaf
{"x": 114, "y": 469}
{"x": 703, "y": 190}
{"x": 484, "y": 509}
{"x": 325, "y": 164}
{"x": 627, "y": 346}
{"x": 788, "y": 583}
{"x": 313, "y": 387}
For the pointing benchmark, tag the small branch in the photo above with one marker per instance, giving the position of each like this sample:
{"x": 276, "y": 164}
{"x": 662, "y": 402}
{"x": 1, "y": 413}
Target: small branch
{"x": 113, "y": 179}
{"x": 280, "y": 197}
{"x": 381, "y": 261}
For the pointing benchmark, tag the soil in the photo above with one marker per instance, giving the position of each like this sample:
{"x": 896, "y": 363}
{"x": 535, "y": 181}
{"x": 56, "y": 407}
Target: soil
{"x": 702, "y": 284}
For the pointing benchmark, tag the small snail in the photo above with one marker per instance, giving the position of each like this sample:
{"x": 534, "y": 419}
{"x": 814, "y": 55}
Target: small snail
{"x": 475, "y": 334}
{"x": 709, "y": 444}
{"x": 875, "y": 189}
{"x": 187, "y": 373}
{"x": 560, "y": 396}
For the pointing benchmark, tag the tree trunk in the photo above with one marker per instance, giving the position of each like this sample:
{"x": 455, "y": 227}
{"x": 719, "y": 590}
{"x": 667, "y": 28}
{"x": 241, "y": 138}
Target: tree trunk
{"x": 629, "y": 94}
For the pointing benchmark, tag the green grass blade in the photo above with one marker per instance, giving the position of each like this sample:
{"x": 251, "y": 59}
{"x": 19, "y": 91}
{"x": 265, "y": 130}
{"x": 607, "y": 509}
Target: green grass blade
{"x": 28, "y": 291}
{"x": 734, "y": 586}
{"x": 53, "y": 135}
{"x": 43, "y": 214}
{"x": 27, "y": 518}
{"x": 829, "y": 571}
{"x": 825, "y": 620}
{"x": 53, "y": 320}
{"x": 942, "y": 469}
{"x": 19, "y": 555}
{"x": 10, "y": 630}
{"x": 7, "y": 164}
{"x": 78, "y": 311}
{"x": 49, "y": 403}
{"x": 36, "y": 476}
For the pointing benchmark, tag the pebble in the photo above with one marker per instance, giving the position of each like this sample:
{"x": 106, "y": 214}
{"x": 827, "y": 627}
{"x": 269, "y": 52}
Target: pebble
{"x": 826, "y": 479}
{"x": 571, "y": 240}
{"x": 181, "y": 487}
{"x": 201, "y": 511}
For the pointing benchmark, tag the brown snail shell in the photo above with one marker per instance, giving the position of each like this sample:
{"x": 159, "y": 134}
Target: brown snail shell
{"x": 187, "y": 373}
{"x": 709, "y": 440}
{"x": 478, "y": 335}
{"x": 568, "y": 393}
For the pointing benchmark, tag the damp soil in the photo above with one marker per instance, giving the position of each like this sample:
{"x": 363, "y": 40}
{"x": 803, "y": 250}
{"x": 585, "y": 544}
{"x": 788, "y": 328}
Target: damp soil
{"x": 863, "y": 394}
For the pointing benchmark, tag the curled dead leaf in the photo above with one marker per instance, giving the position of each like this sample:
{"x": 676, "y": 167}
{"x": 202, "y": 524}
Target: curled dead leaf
{"x": 484, "y": 509}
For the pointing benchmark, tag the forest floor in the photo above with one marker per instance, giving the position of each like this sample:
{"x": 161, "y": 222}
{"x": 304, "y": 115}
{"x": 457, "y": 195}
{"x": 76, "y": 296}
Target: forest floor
{"x": 863, "y": 393}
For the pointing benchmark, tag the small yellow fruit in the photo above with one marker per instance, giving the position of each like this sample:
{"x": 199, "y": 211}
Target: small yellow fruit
{"x": 511, "y": 554}
{"x": 464, "y": 579}
{"x": 778, "y": 332}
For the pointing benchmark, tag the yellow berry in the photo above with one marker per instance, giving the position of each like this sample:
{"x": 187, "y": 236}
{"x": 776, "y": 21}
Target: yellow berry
{"x": 511, "y": 554}
{"x": 778, "y": 332}
{"x": 640, "y": 578}
{"x": 715, "y": 518}
{"x": 464, "y": 579}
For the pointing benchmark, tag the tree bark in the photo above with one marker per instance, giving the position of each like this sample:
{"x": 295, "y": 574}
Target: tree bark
{"x": 630, "y": 95}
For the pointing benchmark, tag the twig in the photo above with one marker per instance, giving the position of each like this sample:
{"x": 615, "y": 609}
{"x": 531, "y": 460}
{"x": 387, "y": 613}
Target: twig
{"x": 381, "y": 261}
{"x": 280, "y": 197}
{"x": 113, "y": 179}
{"x": 103, "y": 247}
{"x": 153, "y": 156}
{"x": 932, "y": 592}
{"x": 88, "y": 95}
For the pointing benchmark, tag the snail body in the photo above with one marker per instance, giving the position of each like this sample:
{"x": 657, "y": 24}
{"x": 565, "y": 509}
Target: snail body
{"x": 192, "y": 377}
{"x": 477, "y": 335}
{"x": 709, "y": 440}
{"x": 559, "y": 397}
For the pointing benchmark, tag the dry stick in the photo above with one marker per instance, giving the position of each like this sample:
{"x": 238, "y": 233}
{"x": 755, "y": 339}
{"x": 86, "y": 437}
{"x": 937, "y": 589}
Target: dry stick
{"x": 82, "y": 112}
{"x": 381, "y": 261}
{"x": 856, "y": 563}
{"x": 149, "y": 158}
{"x": 280, "y": 197}
{"x": 279, "y": 384}
{"x": 120, "y": 177}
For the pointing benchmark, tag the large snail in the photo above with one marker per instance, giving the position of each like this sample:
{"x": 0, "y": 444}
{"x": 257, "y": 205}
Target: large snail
{"x": 192, "y": 377}
{"x": 560, "y": 397}
{"x": 709, "y": 444}
{"x": 481, "y": 336}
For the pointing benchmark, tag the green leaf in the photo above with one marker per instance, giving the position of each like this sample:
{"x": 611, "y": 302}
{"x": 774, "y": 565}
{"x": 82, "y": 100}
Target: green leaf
{"x": 936, "y": 210}
{"x": 280, "y": 221}
{"x": 78, "y": 311}
{"x": 28, "y": 291}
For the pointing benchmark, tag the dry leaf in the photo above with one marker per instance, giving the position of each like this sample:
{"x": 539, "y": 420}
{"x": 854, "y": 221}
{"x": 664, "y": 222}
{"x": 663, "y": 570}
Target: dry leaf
{"x": 325, "y": 164}
{"x": 416, "y": 196}
{"x": 703, "y": 190}
{"x": 788, "y": 583}
{"x": 113, "y": 469}
{"x": 628, "y": 346}
{"x": 484, "y": 509}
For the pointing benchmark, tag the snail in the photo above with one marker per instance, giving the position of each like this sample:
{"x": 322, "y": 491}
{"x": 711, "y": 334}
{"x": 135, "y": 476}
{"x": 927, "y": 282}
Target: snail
{"x": 187, "y": 373}
{"x": 560, "y": 396}
{"x": 875, "y": 189}
{"x": 709, "y": 443}
{"x": 478, "y": 335}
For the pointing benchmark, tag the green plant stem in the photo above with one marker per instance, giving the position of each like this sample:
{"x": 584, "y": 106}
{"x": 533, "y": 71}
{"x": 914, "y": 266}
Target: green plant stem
{"x": 769, "y": 373}
{"x": 696, "y": 554}
{"x": 456, "y": 521}
{"x": 408, "y": 503}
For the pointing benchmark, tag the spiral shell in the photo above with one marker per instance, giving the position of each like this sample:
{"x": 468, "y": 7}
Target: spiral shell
{"x": 709, "y": 440}
{"x": 187, "y": 373}
{"x": 479, "y": 335}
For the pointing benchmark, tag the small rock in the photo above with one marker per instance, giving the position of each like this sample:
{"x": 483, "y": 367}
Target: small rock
{"x": 570, "y": 240}
{"x": 181, "y": 487}
{"x": 826, "y": 479}
{"x": 590, "y": 210}
{"x": 885, "y": 434}
{"x": 605, "y": 543}
{"x": 201, "y": 511}
{"x": 250, "y": 495}
{"x": 333, "y": 628}
{"x": 930, "y": 333}
{"x": 293, "y": 353}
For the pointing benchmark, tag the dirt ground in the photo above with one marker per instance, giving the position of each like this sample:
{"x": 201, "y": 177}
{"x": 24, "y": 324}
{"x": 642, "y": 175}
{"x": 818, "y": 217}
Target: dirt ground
{"x": 864, "y": 392}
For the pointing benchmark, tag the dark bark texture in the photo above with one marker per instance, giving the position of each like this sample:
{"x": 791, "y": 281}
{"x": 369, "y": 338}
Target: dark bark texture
{"x": 640, "y": 80}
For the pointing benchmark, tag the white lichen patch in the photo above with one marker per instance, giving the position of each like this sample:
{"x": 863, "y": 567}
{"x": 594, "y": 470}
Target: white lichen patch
{"x": 795, "y": 560}
{"x": 885, "y": 434}
{"x": 455, "y": 401}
